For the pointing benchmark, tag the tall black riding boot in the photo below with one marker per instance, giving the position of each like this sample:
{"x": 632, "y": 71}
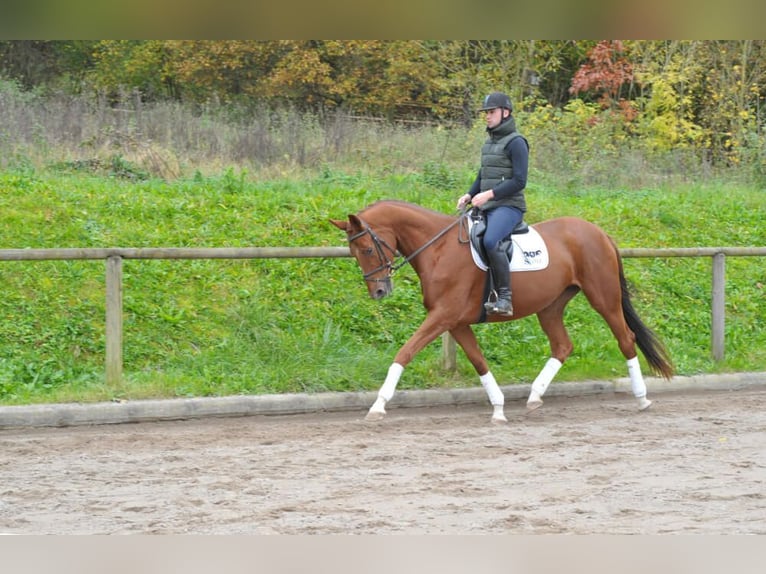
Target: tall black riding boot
{"x": 501, "y": 276}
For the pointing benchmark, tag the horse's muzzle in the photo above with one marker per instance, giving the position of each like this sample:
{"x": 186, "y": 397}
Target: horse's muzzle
{"x": 381, "y": 288}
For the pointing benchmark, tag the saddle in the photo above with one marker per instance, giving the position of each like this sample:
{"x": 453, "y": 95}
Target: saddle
{"x": 479, "y": 226}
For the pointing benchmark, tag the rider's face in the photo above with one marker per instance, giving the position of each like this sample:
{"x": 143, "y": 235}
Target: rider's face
{"x": 494, "y": 117}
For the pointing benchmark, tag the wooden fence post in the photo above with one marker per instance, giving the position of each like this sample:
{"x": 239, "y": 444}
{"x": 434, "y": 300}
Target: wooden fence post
{"x": 449, "y": 353}
{"x": 718, "y": 305}
{"x": 113, "y": 320}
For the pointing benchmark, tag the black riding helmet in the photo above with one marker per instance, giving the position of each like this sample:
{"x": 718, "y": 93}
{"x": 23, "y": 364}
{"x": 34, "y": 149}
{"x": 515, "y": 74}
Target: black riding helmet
{"x": 496, "y": 100}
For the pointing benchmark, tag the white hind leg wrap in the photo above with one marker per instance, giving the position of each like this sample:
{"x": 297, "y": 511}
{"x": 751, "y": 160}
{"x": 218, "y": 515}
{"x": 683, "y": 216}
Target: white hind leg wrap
{"x": 496, "y": 397}
{"x": 637, "y": 384}
{"x": 540, "y": 385}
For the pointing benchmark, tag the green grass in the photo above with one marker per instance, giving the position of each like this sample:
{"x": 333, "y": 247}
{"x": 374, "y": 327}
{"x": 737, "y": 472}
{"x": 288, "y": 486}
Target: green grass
{"x": 203, "y": 328}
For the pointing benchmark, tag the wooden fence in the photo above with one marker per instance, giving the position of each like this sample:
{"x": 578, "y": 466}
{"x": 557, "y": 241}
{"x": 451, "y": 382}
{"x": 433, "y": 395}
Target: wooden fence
{"x": 114, "y": 258}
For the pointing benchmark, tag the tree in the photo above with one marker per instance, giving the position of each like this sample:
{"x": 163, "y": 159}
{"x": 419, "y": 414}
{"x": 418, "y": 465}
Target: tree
{"x": 32, "y": 63}
{"x": 130, "y": 64}
{"x": 605, "y": 73}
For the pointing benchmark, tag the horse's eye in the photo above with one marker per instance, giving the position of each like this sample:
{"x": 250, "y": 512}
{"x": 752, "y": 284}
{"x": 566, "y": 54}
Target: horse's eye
{"x": 368, "y": 251}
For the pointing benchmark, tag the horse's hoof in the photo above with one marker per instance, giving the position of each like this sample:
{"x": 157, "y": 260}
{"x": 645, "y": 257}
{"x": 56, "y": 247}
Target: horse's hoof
{"x": 533, "y": 405}
{"x": 644, "y": 403}
{"x": 375, "y": 415}
{"x": 498, "y": 415}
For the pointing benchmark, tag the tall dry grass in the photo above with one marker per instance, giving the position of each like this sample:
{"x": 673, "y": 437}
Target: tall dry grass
{"x": 170, "y": 141}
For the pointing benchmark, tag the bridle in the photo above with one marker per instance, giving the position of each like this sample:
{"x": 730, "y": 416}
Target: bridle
{"x": 390, "y": 263}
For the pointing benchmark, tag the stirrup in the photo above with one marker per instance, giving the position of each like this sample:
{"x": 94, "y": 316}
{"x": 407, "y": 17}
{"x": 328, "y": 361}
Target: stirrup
{"x": 494, "y": 308}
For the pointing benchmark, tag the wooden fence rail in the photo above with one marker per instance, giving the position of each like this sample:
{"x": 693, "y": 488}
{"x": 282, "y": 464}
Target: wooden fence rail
{"x": 114, "y": 257}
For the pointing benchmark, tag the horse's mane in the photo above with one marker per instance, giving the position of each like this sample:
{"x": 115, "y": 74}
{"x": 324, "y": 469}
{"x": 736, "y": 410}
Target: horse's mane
{"x": 405, "y": 204}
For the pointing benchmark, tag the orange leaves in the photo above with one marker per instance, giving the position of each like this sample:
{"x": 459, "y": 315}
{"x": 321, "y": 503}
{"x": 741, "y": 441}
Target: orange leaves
{"x": 604, "y": 73}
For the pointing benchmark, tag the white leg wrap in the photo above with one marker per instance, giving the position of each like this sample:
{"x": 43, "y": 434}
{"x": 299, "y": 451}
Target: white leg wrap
{"x": 378, "y": 409}
{"x": 496, "y": 397}
{"x": 637, "y": 384}
{"x": 544, "y": 378}
{"x": 386, "y": 392}
{"x": 540, "y": 384}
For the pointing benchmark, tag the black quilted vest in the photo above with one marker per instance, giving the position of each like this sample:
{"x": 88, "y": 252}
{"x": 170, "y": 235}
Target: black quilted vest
{"x": 496, "y": 166}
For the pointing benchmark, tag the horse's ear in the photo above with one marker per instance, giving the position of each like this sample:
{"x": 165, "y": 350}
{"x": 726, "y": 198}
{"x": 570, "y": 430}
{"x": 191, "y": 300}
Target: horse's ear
{"x": 354, "y": 222}
{"x": 339, "y": 224}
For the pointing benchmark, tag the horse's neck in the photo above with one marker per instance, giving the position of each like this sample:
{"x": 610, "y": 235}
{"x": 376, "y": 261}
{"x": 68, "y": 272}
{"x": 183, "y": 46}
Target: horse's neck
{"x": 414, "y": 230}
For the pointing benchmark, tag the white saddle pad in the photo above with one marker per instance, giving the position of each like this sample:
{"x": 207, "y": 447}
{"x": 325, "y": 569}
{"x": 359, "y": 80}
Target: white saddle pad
{"x": 529, "y": 252}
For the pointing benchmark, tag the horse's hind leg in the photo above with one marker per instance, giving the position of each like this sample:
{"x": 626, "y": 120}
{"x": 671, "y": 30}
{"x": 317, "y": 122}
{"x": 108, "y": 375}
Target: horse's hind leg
{"x": 552, "y": 322}
{"x": 608, "y": 303}
{"x": 637, "y": 384}
{"x": 464, "y": 336}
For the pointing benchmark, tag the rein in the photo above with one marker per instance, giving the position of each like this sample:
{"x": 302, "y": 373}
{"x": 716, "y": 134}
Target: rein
{"x": 391, "y": 264}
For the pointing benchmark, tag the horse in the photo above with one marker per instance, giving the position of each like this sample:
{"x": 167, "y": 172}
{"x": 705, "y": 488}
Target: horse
{"x": 388, "y": 234}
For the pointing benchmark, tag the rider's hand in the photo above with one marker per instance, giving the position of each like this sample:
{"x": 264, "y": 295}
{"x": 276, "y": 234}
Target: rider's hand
{"x": 463, "y": 201}
{"x": 481, "y": 198}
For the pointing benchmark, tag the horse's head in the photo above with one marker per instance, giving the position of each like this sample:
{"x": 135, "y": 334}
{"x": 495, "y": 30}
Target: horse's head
{"x": 373, "y": 253}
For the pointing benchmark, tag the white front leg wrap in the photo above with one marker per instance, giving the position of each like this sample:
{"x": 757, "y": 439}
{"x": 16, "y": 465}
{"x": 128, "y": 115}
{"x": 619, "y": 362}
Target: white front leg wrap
{"x": 637, "y": 384}
{"x": 386, "y": 392}
{"x": 540, "y": 385}
{"x": 496, "y": 397}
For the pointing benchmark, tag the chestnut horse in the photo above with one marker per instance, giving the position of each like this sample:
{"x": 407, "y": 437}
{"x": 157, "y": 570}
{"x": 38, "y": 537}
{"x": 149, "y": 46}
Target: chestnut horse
{"x": 582, "y": 257}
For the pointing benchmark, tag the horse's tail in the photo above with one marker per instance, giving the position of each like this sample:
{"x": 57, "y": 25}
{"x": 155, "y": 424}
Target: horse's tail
{"x": 654, "y": 351}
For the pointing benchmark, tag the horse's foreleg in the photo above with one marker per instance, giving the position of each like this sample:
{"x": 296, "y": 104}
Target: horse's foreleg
{"x": 378, "y": 409}
{"x": 427, "y": 332}
{"x": 464, "y": 336}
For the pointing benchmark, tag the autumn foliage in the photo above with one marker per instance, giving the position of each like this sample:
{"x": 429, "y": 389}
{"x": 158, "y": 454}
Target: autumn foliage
{"x": 705, "y": 95}
{"x": 604, "y": 73}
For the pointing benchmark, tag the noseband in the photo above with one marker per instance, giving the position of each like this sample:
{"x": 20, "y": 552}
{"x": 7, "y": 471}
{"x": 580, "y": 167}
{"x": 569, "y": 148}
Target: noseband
{"x": 389, "y": 263}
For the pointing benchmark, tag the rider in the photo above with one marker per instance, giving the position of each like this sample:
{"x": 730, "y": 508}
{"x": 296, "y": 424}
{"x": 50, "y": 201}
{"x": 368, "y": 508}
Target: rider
{"x": 498, "y": 191}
